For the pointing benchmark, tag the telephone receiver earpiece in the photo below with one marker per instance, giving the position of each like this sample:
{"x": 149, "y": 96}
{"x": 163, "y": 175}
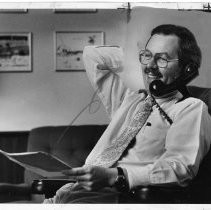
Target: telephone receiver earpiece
{"x": 158, "y": 88}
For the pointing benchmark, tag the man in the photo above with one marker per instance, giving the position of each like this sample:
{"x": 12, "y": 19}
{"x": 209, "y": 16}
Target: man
{"x": 159, "y": 138}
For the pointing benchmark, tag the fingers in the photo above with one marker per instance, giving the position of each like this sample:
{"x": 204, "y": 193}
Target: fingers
{"x": 75, "y": 171}
{"x": 83, "y": 178}
{"x": 78, "y": 174}
{"x": 102, "y": 67}
{"x": 86, "y": 185}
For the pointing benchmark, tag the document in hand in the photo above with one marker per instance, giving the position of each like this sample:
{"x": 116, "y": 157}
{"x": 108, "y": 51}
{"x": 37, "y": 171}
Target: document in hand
{"x": 39, "y": 162}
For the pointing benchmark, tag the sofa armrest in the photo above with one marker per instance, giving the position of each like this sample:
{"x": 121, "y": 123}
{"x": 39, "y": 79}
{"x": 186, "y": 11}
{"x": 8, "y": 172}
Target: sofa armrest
{"x": 13, "y": 192}
{"x": 193, "y": 194}
{"x": 48, "y": 187}
{"x": 21, "y": 188}
{"x": 142, "y": 194}
{"x": 157, "y": 194}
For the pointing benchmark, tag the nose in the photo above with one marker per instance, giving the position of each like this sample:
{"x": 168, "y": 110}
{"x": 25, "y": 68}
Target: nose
{"x": 152, "y": 64}
{"x": 153, "y": 68}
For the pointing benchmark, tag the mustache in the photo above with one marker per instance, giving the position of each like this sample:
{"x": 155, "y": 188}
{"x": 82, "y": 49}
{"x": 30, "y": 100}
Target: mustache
{"x": 154, "y": 71}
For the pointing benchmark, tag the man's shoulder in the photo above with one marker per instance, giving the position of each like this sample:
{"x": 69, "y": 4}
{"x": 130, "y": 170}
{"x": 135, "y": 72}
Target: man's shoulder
{"x": 190, "y": 102}
{"x": 189, "y": 105}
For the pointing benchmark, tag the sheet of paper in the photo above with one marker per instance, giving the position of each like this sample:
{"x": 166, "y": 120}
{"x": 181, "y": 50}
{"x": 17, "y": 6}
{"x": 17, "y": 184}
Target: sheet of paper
{"x": 39, "y": 162}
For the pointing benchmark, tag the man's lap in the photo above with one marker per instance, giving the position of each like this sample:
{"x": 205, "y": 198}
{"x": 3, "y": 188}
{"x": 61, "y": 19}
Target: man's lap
{"x": 74, "y": 193}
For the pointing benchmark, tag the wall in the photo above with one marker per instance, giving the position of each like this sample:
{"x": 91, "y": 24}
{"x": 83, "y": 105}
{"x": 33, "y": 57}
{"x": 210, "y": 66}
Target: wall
{"x": 46, "y": 97}
{"x": 143, "y": 20}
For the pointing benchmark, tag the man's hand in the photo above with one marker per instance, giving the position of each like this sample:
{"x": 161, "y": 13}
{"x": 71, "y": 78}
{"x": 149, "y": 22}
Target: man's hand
{"x": 93, "y": 177}
{"x": 103, "y": 67}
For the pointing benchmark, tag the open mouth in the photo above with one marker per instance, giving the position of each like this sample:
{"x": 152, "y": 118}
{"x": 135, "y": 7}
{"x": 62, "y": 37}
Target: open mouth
{"x": 152, "y": 73}
{"x": 152, "y": 76}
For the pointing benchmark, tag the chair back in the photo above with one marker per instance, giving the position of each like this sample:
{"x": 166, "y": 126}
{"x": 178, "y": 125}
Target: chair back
{"x": 201, "y": 93}
{"x": 71, "y": 144}
{"x": 204, "y": 173}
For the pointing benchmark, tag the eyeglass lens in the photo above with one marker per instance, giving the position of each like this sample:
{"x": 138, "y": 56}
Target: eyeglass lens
{"x": 145, "y": 57}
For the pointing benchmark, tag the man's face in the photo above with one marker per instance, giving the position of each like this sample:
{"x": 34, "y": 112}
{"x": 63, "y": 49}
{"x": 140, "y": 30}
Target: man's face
{"x": 165, "y": 46}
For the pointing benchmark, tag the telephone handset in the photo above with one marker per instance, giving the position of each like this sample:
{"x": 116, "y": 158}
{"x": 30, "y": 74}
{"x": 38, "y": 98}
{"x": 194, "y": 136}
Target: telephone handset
{"x": 158, "y": 88}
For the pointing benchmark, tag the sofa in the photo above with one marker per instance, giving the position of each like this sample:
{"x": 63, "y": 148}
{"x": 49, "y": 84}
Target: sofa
{"x": 73, "y": 143}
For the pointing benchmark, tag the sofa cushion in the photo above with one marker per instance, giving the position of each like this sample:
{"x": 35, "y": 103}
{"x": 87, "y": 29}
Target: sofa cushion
{"x": 71, "y": 144}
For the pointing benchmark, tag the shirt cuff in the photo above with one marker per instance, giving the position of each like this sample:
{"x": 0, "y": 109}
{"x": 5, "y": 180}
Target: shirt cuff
{"x": 138, "y": 175}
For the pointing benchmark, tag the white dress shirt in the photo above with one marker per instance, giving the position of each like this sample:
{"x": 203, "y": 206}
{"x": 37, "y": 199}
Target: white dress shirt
{"x": 162, "y": 153}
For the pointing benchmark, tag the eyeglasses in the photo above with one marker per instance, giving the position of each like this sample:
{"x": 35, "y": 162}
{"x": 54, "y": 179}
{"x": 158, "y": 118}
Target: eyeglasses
{"x": 145, "y": 56}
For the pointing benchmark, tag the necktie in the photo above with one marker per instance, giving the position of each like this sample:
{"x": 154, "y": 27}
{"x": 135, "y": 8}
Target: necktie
{"x": 112, "y": 153}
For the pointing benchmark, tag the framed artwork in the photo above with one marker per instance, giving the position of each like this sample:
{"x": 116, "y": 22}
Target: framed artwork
{"x": 13, "y": 10}
{"x": 75, "y": 10}
{"x": 69, "y": 47}
{"x": 15, "y": 52}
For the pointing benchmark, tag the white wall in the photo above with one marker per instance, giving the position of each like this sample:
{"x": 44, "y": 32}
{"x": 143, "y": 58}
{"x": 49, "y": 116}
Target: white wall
{"x": 143, "y": 20}
{"x": 46, "y": 97}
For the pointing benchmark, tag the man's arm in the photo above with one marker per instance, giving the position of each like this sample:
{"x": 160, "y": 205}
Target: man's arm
{"x": 187, "y": 142}
{"x": 104, "y": 65}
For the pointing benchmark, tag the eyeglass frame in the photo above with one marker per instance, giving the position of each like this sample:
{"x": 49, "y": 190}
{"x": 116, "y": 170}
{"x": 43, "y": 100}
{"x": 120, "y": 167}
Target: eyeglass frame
{"x": 156, "y": 58}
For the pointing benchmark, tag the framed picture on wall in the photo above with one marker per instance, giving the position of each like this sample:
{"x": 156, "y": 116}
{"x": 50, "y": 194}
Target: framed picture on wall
{"x": 69, "y": 47}
{"x": 15, "y": 52}
{"x": 75, "y": 10}
{"x": 13, "y": 10}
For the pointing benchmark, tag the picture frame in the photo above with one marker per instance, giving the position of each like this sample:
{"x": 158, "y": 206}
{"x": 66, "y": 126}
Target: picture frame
{"x": 69, "y": 47}
{"x": 13, "y": 10}
{"x": 63, "y": 11}
{"x": 15, "y": 52}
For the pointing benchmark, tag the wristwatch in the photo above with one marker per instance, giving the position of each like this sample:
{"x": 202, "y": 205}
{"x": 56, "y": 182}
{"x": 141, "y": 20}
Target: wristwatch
{"x": 121, "y": 183}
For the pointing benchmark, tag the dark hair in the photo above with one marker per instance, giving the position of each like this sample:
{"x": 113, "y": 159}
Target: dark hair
{"x": 189, "y": 51}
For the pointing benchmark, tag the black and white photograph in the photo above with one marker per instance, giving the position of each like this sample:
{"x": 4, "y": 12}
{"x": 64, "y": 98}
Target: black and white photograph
{"x": 105, "y": 103}
{"x": 15, "y": 52}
